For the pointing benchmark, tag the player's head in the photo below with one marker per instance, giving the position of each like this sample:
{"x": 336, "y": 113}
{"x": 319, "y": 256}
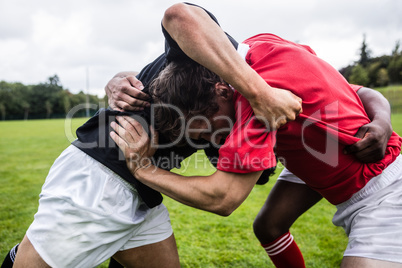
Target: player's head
{"x": 192, "y": 100}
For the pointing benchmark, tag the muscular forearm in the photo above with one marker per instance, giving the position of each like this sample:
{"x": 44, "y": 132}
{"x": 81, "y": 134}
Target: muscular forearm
{"x": 220, "y": 193}
{"x": 206, "y": 43}
{"x": 374, "y": 135}
{"x": 375, "y": 104}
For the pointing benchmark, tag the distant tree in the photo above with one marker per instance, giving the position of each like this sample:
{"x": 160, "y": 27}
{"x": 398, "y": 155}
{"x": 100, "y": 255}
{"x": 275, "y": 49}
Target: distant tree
{"x": 395, "y": 65}
{"x": 54, "y": 80}
{"x": 25, "y": 105}
{"x": 13, "y": 95}
{"x": 382, "y": 77}
{"x": 105, "y": 100}
{"x": 372, "y": 72}
{"x": 3, "y": 111}
{"x": 346, "y": 71}
{"x": 79, "y": 98}
{"x": 359, "y": 76}
{"x": 48, "y": 107}
{"x": 44, "y": 100}
{"x": 65, "y": 100}
{"x": 395, "y": 51}
{"x": 4, "y": 97}
{"x": 364, "y": 53}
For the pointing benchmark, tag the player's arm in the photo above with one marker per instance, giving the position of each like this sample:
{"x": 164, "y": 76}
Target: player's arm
{"x": 375, "y": 135}
{"x": 220, "y": 193}
{"x": 204, "y": 41}
{"x": 124, "y": 92}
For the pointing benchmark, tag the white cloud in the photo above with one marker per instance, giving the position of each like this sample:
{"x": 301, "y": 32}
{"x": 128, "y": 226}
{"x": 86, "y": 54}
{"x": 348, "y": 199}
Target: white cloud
{"x": 45, "y": 37}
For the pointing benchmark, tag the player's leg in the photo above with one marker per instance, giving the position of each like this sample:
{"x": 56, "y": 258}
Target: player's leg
{"x": 356, "y": 262}
{"x": 27, "y": 256}
{"x": 161, "y": 254}
{"x": 114, "y": 264}
{"x": 87, "y": 214}
{"x": 372, "y": 220}
{"x": 151, "y": 244}
{"x": 10, "y": 257}
{"x": 9, "y": 260}
{"x": 285, "y": 203}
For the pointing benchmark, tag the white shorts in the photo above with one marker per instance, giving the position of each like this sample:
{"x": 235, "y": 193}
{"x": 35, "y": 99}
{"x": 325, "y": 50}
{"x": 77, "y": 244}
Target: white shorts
{"x": 372, "y": 217}
{"x": 87, "y": 213}
{"x": 286, "y": 175}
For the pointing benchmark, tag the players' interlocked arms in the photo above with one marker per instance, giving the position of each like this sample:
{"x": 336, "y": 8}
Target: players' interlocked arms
{"x": 246, "y": 105}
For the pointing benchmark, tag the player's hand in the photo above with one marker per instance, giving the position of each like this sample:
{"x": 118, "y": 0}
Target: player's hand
{"x": 374, "y": 138}
{"x": 276, "y": 107}
{"x": 124, "y": 92}
{"x": 135, "y": 143}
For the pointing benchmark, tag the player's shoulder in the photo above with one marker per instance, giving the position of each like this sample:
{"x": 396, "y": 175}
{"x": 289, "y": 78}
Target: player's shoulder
{"x": 264, "y": 37}
{"x": 270, "y": 41}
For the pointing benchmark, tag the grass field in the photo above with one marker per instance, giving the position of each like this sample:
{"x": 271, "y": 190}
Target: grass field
{"x": 28, "y": 149}
{"x": 394, "y": 95}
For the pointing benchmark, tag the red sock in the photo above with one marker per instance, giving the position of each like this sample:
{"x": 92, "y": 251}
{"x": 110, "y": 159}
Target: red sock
{"x": 285, "y": 253}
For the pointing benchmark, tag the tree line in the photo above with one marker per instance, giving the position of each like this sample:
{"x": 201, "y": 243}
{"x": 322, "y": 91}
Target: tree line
{"x": 44, "y": 100}
{"x": 375, "y": 71}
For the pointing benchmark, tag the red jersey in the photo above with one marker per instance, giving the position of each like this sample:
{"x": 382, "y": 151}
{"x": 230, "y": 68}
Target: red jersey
{"x": 311, "y": 147}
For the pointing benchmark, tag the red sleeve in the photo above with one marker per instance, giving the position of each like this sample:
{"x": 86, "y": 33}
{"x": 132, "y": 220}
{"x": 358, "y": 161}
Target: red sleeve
{"x": 355, "y": 87}
{"x": 249, "y": 147}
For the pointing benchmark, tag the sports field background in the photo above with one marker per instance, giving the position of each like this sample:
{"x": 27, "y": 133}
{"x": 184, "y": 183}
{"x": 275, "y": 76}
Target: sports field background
{"x": 28, "y": 149}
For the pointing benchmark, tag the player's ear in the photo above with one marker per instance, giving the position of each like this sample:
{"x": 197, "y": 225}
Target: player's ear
{"x": 223, "y": 90}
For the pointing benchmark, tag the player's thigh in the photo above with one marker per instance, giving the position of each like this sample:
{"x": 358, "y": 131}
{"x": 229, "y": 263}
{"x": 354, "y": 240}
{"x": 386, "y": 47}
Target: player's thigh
{"x": 160, "y": 254}
{"x": 354, "y": 262}
{"x": 27, "y": 256}
{"x": 288, "y": 200}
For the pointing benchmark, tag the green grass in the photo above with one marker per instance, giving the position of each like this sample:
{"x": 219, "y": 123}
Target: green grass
{"x": 397, "y": 123}
{"x": 208, "y": 240}
{"x": 394, "y": 95}
{"x": 28, "y": 149}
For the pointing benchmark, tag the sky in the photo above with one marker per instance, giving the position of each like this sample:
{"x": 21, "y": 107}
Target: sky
{"x": 86, "y": 42}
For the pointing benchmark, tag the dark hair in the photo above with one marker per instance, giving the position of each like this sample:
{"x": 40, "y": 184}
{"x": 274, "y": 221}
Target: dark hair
{"x": 188, "y": 87}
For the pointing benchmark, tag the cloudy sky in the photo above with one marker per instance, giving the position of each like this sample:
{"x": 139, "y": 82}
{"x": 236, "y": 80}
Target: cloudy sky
{"x": 102, "y": 37}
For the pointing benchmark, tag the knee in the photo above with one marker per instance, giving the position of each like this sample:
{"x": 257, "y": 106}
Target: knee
{"x": 267, "y": 229}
